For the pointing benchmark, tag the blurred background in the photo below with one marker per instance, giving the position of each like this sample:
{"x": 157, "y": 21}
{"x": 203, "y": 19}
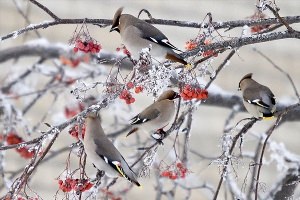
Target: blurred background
{"x": 208, "y": 122}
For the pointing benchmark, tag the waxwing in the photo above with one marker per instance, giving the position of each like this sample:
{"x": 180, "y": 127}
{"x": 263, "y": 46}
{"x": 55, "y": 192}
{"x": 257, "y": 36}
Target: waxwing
{"x": 102, "y": 153}
{"x": 137, "y": 34}
{"x": 156, "y": 116}
{"x": 258, "y": 99}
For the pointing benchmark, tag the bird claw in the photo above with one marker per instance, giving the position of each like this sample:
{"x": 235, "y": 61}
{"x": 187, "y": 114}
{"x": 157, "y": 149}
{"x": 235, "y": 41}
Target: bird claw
{"x": 159, "y": 141}
{"x": 159, "y": 135}
{"x": 99, "y": 175}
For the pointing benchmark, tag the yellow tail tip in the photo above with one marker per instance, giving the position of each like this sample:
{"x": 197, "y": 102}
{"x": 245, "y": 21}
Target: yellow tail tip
{"x": 188, "y": 66}
{"x": 268, "y": 118}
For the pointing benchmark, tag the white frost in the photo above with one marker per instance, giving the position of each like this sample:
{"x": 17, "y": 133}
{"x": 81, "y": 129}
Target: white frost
{"x": 15, "y": 34}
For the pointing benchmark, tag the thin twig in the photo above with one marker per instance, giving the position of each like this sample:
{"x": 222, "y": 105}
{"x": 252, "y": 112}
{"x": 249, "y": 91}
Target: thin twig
{"x": 281, "y": 70}
{"x": 44, "y": 8}
{"x": 221, "y": 66}
{"x": 269, "y": 133}
{"x": 227, "y": 159}
{"x": 289, "y": 28}
{"x": 25, "y": 17}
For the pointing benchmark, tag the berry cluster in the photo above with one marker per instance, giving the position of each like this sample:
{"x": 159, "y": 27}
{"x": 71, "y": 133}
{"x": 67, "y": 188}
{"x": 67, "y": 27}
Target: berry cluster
{"x": 65, "y": 79}
{"x": 74, "y": 131}
{"x": 110, "y": 195}
{"x": 87, "y": 46}
{"x": 123, "y": 49}
{"x": 72, "y": 62}
{"x": 13, "y": 138}
{"x": 174, "y": 172}
{"x": 126, "y": 95}
{"x": 191, "y": 44}
{"x": 209, "y": 52}
{"x": 72, "y": 110}
{"x": 189, "y": 92}
{"x": 258, "y": 28}
{"x": 137, "y": 89}
{"x": 76, "y": 185}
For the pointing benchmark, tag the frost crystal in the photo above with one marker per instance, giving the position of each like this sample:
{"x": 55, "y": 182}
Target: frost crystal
{"x": 147, "y": 162}
{"x": 15, "y": 34}
{"x": 155, "y": 79}
{"x": 150, "y": 157}
{"x": 80, "y": 90}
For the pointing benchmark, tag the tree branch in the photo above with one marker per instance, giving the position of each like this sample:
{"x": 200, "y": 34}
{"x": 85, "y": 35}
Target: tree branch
{"x": 239, "y": 42}
{"x": 49, "y": 12}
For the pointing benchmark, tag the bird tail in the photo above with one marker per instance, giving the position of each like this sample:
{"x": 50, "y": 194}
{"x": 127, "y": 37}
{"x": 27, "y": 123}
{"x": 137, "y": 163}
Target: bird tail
{"x": 176, "y": 57}
{"x": 132, "y": 131}
{"x": 268, "y": 115}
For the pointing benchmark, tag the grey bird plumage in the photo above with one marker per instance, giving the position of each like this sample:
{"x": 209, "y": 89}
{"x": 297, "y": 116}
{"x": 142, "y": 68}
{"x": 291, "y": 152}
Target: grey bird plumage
{"x": 137, "y": 34}
{"x": 157, "y": 115}
{"x": 103, "y": 154}
{"x": 258, "y": 99}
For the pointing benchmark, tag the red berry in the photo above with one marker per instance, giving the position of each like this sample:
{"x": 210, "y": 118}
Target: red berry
{"x": 165, "y": 173}
{"x": 179, "y": 165}
{"x": 88, "y": 186}
{"x": 127, "y": 101}
{"x": 194, "y": 95}
{"x": 75, "y": 49}
{"x": 138, "y": 89}
{"x": 132, "y": 100}
{"x": 173, "y": 176}
{"x": 130, "y": 85}
{"x": 80, "y": 45}
{"x": 182, "y": 175}
{"x": 125, "y": 51}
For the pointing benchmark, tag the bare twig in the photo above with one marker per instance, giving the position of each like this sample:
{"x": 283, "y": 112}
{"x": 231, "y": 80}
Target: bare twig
{"x": 281, "y": 70}
{"x": 44, "y": 8}
{"x": 145, "y": 11}
{"x": 268, "y": 135}
{"x": 227, "y": 159}
{"x": 25, "y": 17}
{"x": 289, "y": 28}
{"x": 221, "y": 66}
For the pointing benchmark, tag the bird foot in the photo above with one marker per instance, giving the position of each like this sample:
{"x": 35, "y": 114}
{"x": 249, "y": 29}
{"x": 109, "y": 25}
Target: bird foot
{"x": 159, "y": 135}
{"x": 99, "y": 175}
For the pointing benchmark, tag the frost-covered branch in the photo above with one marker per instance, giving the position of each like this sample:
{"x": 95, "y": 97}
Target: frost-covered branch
{"x": 97, "y": 80}
{"x": 107, "y": 22}
{"x": 228, "y": 153}
{"x": 287, "y": 185}
{"x": 46, "y": 50}
{"x": 243, "y": 41}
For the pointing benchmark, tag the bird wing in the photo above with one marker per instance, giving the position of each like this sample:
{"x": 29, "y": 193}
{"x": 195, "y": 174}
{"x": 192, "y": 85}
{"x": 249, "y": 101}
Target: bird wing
{"x": 154, "y": 35}
{"x": 109, "y": 153}
{"x": 148, "y": 114}
{"x": 262, "y": 97}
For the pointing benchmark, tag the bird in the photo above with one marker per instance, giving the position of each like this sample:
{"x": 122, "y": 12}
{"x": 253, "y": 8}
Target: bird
{"x": 137, "y": 34}
{"x": 156, "y": 116}
{"x": 258, "y": 99}
{"x": 103, "y": 154}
